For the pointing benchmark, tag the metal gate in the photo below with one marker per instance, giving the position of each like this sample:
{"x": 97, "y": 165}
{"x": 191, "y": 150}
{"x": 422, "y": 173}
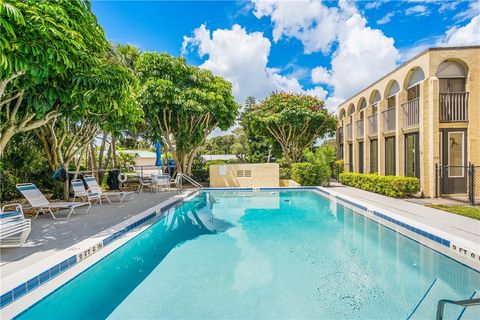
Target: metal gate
{"x": 465, "y": 186}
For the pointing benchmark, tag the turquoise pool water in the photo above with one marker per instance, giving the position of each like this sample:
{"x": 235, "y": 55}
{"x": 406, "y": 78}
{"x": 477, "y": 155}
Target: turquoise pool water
{"x": 265, "y": 255}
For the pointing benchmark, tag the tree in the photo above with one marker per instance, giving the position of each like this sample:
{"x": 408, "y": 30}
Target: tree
{"x": 183, "y": 104}
{"x": 45, "y": 47}
{"x": 294, "y": 121}
{"x": 240, "y": 147}
{"x": 260, "y": 148}
{"x": 105, "y": 102}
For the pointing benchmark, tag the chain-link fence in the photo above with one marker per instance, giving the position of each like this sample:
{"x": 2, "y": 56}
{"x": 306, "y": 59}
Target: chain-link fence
{"x": 460, "y": 183}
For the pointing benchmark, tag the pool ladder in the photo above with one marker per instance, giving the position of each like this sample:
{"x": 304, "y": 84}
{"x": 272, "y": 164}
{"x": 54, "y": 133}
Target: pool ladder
{"x": 181, "y": 176}
{"x": 464, "y": 303}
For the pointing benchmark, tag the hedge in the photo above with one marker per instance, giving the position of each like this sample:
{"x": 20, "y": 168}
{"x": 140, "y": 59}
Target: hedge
{"x": 392, "y": 186}
{"x": 309, "y": 174}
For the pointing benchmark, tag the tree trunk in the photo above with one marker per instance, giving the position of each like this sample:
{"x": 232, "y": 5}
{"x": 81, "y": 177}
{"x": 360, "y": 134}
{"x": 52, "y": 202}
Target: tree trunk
{"x": 114, "y": 153}
{"x": 5, "y": 137}
{"x": 93, "y": 161}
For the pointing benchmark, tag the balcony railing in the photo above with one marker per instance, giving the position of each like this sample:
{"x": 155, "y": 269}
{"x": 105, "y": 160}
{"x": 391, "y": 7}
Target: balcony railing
{"x": 453, "y": 106}
{"x": 411, "y": 113}
{"x": 360, "y": 129}
{"x": 373, "y": 125}
{"x": 340, "y": 135}
{"x": 389, "y": 120}
{"x": 349, "y": 132}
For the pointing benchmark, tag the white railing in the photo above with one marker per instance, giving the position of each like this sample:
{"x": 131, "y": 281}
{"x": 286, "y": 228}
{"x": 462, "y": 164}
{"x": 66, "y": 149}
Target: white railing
{"x": 180, "y": 176}
{"x": 360, "y": 129}
{"x": 389, "y": 120}
{"x": 453, "y": 106}
{"x": 411, "y": 113}
{"x": 373, "y": 125}
{"x": 349, "y": 132}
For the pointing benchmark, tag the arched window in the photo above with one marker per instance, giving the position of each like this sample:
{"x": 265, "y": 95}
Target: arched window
{"x": 452, "y": 76}
{"x": 374, "y": 99}
{"x": 414, "y": 77}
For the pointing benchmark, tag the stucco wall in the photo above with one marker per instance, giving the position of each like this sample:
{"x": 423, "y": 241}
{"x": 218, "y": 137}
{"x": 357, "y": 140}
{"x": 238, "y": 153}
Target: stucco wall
{"x": 250, "y": 175}
{"x": 144, "y": 161}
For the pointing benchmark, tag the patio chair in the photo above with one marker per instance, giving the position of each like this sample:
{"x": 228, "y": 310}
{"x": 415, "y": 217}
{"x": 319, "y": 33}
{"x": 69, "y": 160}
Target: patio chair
{"x": 81, "y": 192}
{"x": 14, "y": 228}
{"x": 95, "y": 188}
{"x": 37, "y": 200}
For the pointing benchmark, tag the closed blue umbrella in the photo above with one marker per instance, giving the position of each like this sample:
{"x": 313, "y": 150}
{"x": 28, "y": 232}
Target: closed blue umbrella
{"x": 158, "y": 151}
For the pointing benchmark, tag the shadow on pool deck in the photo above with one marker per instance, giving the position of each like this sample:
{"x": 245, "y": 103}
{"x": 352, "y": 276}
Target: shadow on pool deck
{"x": 49, "y": 236}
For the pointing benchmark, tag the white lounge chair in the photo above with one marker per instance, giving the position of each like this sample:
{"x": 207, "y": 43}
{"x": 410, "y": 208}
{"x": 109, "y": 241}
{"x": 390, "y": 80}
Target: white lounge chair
{"x": 14, "y": 228}
{"x": 95, "y": 188}
{"x": 81, "y": 192}
{"x": 37, "y": 200}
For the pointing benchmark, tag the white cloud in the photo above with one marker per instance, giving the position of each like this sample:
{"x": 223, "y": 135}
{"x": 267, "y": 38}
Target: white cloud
{"x": 241, "y": 58}
{"x": 472, "y": 11}
{"x": 466, "y": 35}
{"x": 386, "y": 18}
{"x": 321, "y": 75}
{"x": 308, "y": 21}
{"x": 373, "y": 5}
{"x": 362, "y": 54}
{"x": 418, "y": 10}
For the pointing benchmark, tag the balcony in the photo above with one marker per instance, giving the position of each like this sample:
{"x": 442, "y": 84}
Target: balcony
{"x": 349, "y": 132}
{"x": 389, "y": 120}
{"x": 453, "y": 106}
{"x": 372, "y": 125}
{"x": 360, "y": 129}
{"x": 340, "y": 135}
{"x": 411, "y": 113}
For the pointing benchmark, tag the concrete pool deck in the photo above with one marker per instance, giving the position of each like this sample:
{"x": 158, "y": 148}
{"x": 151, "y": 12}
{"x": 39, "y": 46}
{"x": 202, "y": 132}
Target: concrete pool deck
{"x": 49, "y": 236}
{"x": 454, "y": 224}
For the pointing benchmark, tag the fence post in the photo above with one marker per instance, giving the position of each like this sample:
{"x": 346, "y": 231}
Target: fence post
{"x": 436, "y": 180}
{"x": 471, "y": 191}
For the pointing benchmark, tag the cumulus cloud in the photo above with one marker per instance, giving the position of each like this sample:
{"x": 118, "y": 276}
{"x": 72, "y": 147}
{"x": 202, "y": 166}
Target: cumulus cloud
{"x": 466, "y": 35}
{"x": 472, "y": 11}
{"x": 361, "y": 55}
{"x": 241, "y": 58}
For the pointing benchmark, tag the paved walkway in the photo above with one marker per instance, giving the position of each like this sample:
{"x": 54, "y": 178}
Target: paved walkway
{"x": 460, "y": 226}
{"x": 49, "y": 236}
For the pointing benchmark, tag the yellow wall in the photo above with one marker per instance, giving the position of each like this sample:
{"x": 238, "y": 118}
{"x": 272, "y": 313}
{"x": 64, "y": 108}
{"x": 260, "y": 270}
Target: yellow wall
{"x": 429, "y": 126}
{"x": 232, "y": 175}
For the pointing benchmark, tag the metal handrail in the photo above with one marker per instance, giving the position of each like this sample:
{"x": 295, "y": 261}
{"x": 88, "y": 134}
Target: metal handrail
{"x": 463, "y": 303}
{"x": 189, "y": 179}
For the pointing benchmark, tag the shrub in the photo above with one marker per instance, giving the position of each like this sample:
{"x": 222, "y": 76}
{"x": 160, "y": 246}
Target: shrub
{"x": 339, "y": 168}
{"x": 308, "y": 174}
{"x": 392, "y": 186}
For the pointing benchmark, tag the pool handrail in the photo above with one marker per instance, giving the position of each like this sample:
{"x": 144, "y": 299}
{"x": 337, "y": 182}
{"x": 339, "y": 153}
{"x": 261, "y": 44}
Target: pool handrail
{"x": 464, "y": 303}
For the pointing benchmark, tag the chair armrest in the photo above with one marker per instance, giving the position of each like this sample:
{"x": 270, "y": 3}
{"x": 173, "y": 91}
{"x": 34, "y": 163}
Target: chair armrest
{"x": 18, "y": 207}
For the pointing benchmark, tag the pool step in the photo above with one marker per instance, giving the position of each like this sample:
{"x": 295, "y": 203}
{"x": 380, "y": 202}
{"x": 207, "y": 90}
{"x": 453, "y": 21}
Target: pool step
{"x": 426, "y": 308}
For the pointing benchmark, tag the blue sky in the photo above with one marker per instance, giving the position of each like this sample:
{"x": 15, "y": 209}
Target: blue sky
{"x": 330, "y": 49}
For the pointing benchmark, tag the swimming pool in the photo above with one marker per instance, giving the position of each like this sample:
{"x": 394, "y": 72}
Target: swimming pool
{"x": 281, "y": 254}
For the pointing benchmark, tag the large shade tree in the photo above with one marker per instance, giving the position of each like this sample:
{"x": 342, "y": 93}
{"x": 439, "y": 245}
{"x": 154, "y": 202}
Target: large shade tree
{"x": 183, "y": 104}
{"x": 45, "y": 46}
{"x": 294, "y": 121}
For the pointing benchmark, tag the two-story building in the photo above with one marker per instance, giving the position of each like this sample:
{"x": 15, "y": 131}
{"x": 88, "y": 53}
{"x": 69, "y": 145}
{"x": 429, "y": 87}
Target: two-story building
{"x": 423, "y": 113}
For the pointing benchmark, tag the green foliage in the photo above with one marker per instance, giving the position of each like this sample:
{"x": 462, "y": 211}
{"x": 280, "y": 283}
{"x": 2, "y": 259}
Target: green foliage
{"x": 309, "y": 174}
{"x": 125, "y": 160}
{"x": 392, "y": 186}
{"x": 23, "y": 161}
{"x": 294, "y": 121}
{"x": 183, "y": 104}
{"x": 339, "y": 168}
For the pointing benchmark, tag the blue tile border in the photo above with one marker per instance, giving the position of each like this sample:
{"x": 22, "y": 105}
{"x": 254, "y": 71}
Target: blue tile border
{"x": 59, "y": 268}
{"x": 418, "y": 231}
{"x": 34, "y": 282}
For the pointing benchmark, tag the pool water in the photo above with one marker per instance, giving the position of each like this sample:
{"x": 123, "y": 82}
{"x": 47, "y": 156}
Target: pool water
{"x": 265, "y": 255}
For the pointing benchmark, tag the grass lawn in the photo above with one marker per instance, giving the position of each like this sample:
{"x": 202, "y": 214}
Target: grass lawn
{"x": 467, "y": 211}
